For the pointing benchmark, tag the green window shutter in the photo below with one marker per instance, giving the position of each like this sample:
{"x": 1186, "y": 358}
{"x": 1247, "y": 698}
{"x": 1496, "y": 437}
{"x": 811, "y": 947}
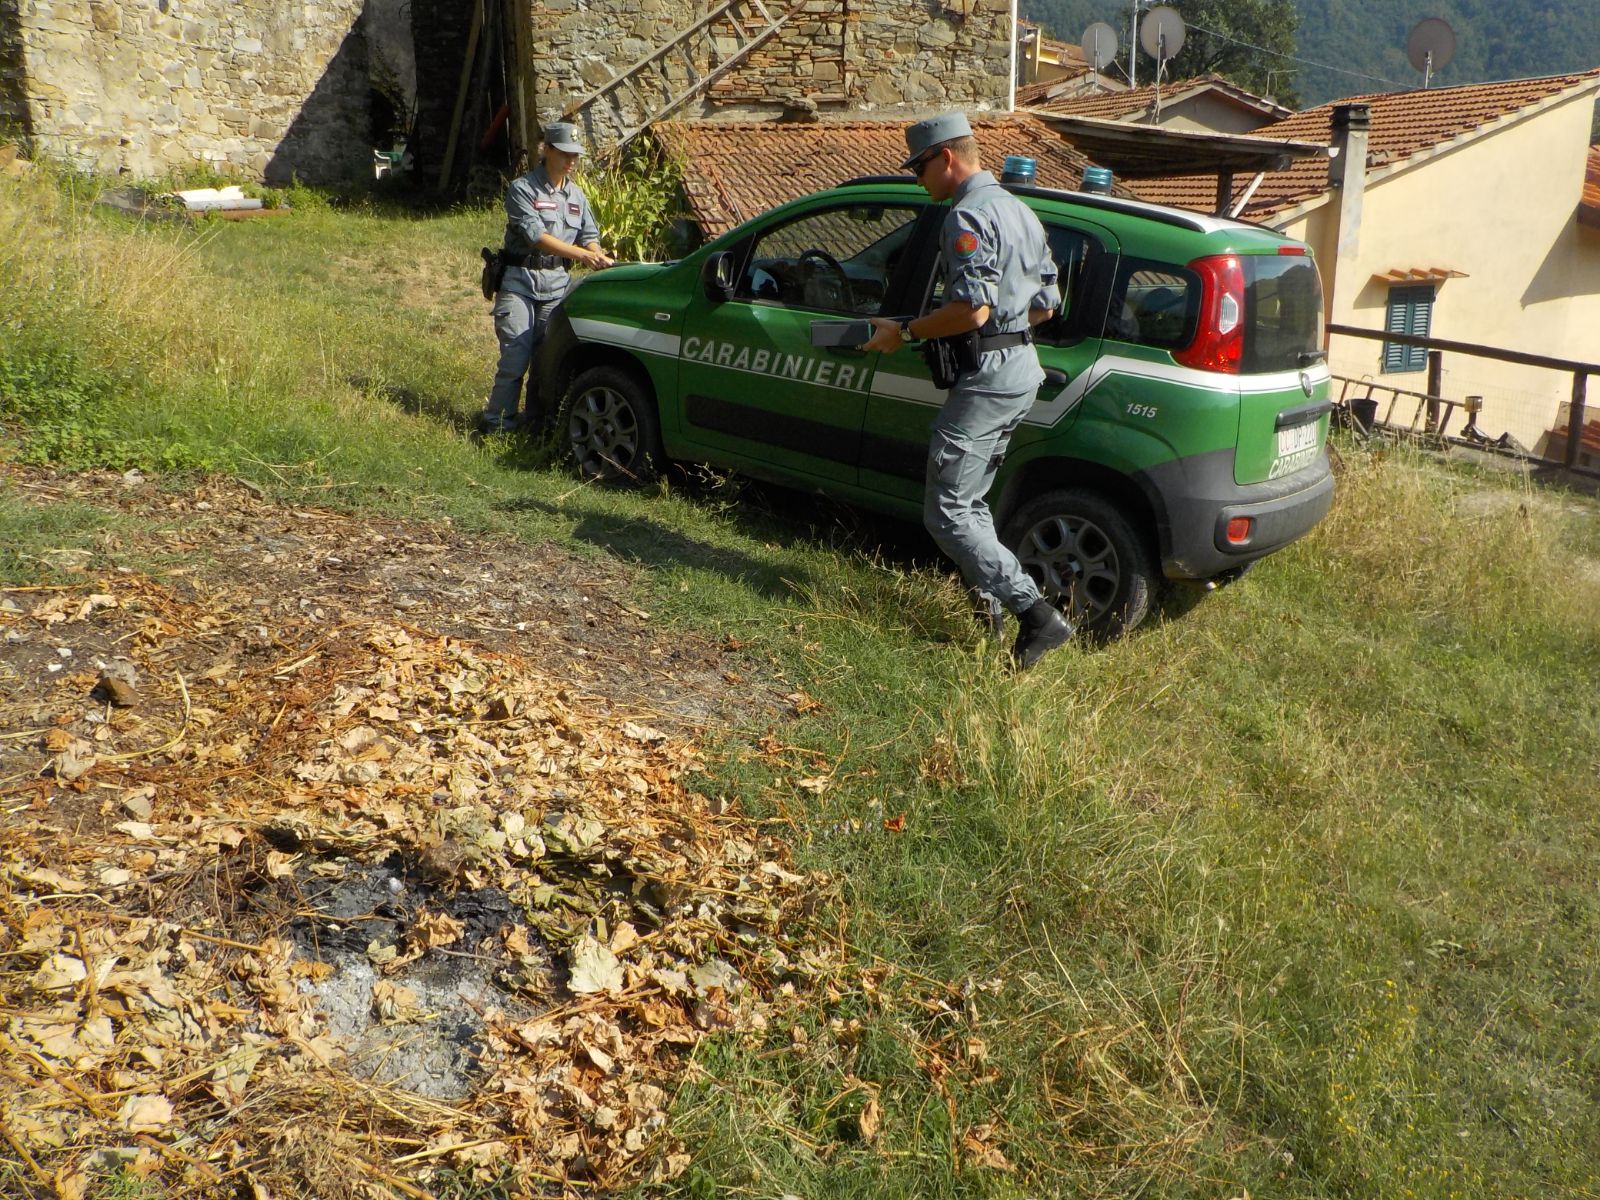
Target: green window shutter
{"x": 1410, "y": 311}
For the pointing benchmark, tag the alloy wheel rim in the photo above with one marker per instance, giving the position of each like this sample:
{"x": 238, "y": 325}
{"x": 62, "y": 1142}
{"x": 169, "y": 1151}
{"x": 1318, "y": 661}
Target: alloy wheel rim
{"x": 603, "y": 432}
{"x": 1073, "y": 561}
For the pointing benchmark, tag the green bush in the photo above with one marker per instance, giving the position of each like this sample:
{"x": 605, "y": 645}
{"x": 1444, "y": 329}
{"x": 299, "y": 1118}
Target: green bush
{"x": 636, "y": 203}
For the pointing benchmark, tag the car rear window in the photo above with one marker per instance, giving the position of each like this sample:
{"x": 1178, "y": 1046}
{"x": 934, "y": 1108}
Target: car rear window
{"x": 1283, "y": 303}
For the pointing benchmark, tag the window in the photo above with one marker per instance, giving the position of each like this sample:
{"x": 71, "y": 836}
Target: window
{"x": 1072, "y": 251}
{"x": 1154, "y": 304}
{"x": 837, "y": 260}
{"x": 1410, "y": 311}
{"x": 1283, "y": 312}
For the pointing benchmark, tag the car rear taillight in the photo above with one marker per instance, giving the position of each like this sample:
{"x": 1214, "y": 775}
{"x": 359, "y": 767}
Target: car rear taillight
{"x": 1219, "y": 339}
{"x": 1239, "y": 529}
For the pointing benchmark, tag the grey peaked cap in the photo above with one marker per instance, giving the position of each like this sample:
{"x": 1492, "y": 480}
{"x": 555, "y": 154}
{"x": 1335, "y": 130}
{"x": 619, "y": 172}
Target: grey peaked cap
{"x": 563, "y": 136}
{"x": 933, "y": 130}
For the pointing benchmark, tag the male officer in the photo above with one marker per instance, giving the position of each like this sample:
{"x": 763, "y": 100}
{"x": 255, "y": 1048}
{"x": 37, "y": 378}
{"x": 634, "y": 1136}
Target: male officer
{"x": 1000, "y": 282}
{"x": 548, "y": 228}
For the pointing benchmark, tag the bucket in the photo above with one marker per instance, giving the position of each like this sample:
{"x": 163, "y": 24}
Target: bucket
{"x": 1364, "y": 413}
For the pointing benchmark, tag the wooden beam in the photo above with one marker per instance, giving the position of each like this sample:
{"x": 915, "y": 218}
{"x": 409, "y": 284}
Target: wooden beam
{"x": 1224, "y": 192}
{"x": 474, "y": 35}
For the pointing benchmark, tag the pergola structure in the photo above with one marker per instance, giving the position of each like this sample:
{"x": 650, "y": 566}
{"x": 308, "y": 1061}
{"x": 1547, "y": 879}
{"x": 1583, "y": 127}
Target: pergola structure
{"x": 1149, "y": 151}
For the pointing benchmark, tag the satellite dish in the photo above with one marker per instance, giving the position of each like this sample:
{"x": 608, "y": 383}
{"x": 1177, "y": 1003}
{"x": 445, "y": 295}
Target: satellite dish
{"x": 1430, "y": 45}
{"x": 1161, "y": 33}
{"x": 1099, "y": 45}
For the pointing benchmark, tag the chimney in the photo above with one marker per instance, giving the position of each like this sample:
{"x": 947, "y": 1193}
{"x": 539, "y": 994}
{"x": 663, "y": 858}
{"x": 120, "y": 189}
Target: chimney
{"x": 1347, "y": 172}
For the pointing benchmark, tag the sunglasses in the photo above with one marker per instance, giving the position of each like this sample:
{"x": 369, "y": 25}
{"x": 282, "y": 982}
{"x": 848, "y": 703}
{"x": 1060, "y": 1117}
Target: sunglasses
{"x": 921, "y": 165}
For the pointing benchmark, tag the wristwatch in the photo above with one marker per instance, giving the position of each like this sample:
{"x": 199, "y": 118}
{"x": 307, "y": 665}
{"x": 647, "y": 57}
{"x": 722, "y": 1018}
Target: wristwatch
{"x": 905, "y": 331}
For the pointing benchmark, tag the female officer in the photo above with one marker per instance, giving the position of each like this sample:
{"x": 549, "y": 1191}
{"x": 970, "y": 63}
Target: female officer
{"x": 548, "y": 228}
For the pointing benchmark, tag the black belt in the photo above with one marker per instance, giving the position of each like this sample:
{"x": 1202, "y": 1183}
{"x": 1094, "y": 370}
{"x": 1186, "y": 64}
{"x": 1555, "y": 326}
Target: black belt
{"x": 536, "y": 262}
{"x": 1004, "y": 341}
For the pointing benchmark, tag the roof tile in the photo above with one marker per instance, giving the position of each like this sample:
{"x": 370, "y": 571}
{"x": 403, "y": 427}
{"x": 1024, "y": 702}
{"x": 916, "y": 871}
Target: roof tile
{"x": 1116, "y": 106}
{"x": 1404, "y": 124}
{"x": 735, "y": 170}
{"x": 1589, "y": 205}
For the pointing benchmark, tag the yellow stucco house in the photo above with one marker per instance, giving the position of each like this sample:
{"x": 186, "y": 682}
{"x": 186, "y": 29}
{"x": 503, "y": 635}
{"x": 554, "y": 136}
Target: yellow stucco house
{"x": 1470, "y": 222}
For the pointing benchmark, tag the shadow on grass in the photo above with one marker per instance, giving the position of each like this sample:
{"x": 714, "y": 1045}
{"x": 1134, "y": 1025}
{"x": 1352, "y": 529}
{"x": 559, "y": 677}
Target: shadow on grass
{"x": 415, "y": 403}
{"x": 652, "y": 544}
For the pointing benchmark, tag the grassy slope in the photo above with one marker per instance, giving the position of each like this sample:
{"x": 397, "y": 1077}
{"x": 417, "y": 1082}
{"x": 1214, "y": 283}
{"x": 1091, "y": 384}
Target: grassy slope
{"x": 1291, "y": 894}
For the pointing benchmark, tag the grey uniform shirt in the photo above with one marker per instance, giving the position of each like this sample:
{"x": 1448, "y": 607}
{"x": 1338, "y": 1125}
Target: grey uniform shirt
{"x": 995, "y": 253}
{"x": 535, "y": 206}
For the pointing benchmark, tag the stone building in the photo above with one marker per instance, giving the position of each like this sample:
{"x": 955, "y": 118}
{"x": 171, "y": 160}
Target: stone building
{"x": 264, "y": 88}
{"x": 276, "y": 89}
{"x": 840, "y": 55}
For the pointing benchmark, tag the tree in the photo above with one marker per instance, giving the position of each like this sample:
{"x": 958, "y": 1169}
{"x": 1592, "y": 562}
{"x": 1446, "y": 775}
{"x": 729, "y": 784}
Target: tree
{"x": 1248, "y": 42}
{"x": 1267, "y": 23}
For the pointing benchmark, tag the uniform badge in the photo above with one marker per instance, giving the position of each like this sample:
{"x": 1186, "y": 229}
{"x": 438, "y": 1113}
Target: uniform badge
{"x": 966, "y": 244}
{"x": 573, "y": 209}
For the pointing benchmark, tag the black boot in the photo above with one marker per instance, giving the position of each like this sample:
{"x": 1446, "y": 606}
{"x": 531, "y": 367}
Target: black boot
{"x": 1043, "y": 629}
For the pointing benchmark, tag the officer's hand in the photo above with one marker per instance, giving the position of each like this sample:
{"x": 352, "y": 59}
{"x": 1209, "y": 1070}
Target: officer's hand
{"x": 593, "y": 259}
{"x": 887, "y": 338}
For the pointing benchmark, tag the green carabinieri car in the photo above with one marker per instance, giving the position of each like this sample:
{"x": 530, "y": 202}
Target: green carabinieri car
{"x": 1181, "y": 432}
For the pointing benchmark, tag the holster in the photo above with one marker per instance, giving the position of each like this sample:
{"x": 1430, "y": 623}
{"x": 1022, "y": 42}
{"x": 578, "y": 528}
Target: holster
{"x": 949, "y": 358}
{"x": 494, "y": 270}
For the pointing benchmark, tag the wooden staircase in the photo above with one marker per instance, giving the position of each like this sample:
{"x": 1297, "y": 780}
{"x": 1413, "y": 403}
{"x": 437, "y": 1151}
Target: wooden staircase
{"x": 650, "y": 90}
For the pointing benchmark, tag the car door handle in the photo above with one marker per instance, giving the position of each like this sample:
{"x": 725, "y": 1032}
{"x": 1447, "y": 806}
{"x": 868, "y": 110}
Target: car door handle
{"x": 1055, "y": 376}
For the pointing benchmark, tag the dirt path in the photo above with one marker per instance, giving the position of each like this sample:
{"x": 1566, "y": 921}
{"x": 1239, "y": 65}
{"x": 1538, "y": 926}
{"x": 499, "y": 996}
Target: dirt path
{"x": 573, "y": 616}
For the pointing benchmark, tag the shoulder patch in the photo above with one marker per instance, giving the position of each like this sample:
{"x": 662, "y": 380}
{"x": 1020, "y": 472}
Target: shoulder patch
{"x": 966, "y": 243}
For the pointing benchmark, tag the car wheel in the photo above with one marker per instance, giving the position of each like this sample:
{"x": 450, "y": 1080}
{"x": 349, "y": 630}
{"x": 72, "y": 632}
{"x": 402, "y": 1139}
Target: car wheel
{"x": 610, "y": 428}
{"x": 1086, "y": 557}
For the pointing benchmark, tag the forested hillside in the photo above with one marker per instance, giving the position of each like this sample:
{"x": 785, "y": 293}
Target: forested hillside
{"x": 1365, "y": 39}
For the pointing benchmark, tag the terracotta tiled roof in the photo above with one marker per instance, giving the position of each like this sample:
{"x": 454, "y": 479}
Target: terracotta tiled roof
{"x": 734, "y": 170}
{"x": 1033, "y": 95}
{"x": 1589, "y": 205}
{"x": 1404, "y": 124}
{"x": 1136, "y": 102}
{"x": 1417, "y": 275}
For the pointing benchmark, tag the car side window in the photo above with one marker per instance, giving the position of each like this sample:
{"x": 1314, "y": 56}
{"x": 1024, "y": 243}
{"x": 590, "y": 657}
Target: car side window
{"x": 837, "y": 260}
{"x": 1072, "y": 250}
{"x": 1153, "y": 304}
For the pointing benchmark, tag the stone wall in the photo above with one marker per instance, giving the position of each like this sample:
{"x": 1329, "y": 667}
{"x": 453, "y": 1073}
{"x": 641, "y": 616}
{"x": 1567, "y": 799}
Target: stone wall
{"x": 276, "y": 89}
{"x": 270, "y": 89}
{"x": 840, "y": 55}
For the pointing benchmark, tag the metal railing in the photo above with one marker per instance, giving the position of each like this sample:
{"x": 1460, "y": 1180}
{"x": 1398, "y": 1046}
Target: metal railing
{"x": 1432, "y": 412}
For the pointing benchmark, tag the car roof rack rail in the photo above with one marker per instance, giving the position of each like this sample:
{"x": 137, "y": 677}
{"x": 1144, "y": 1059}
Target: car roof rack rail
{"x": 1136, "y": 208}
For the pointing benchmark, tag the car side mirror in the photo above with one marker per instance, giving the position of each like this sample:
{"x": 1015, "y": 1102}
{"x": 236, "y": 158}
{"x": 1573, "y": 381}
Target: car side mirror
{"x": 717, "y": 278}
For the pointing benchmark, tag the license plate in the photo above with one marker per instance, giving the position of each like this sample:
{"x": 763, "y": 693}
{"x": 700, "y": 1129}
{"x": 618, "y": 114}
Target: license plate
{"x": 1301, "y": 437}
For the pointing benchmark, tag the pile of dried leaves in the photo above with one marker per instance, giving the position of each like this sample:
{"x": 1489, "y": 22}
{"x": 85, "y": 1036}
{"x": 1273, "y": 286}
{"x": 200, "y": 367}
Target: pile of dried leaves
{"x": 214, "y": 830}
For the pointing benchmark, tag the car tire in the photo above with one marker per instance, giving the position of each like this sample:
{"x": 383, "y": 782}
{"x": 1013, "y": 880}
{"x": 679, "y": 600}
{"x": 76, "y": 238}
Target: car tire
{"x": 609, "y": 428}
{"x": 1086, "y": 557}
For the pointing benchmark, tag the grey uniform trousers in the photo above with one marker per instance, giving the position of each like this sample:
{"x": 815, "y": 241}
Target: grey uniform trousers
{"x": 519, "y": 325}
{"x": 970, "y": 438}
